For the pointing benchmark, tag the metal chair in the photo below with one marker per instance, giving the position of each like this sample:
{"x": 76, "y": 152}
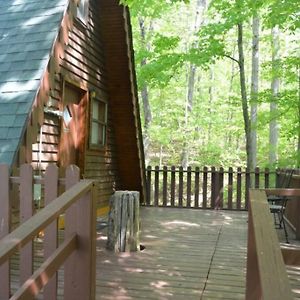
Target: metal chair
{"x": 278, "y": 203}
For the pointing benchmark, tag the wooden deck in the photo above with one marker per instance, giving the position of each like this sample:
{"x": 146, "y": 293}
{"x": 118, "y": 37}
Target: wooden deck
{"x": 189, "y": 254}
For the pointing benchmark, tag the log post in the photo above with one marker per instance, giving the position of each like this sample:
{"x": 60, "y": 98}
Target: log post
{"x": 123, "y": 222}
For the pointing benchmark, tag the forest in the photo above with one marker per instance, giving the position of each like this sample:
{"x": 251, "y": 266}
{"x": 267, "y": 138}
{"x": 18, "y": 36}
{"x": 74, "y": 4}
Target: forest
{"x": 219, "y": 81}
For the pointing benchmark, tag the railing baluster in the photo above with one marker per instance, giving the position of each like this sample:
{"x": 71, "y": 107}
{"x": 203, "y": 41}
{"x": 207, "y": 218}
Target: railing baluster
{"x": 165, "y": 185}
{"x": 230, "y": 187}
{"x": 204, "y": 203}
{"x": 247, "y": 187}
{"x": 188, "y": 186}
{"x": 173, "y": 180}
{"x": 180, "y": 188}
{"x": 267, "y": 178}
{"x": 50, "y": 239}
{"x": 238, "y": 188}
{"x": 214, "y": 187}
{"x": 221, "y": 188}
{"x": 4, "y": 229}
{"x": 148, "y": 198}
{"x": 26, "y": 211}
{"x": 196, "y": 190}
{"x": 257, "y": 173}
{"x": 156, "y": 186}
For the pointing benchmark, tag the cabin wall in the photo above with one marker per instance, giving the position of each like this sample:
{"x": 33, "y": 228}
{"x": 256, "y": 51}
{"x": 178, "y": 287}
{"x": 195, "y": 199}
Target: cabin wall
{"x": 83, "y": 64}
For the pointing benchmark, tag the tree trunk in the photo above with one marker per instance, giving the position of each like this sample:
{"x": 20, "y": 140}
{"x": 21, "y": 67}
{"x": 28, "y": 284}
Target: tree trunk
{"x": 254, "y": 90}
{"x": 123, "y": 222}
{"x": 211, "y": 100}
{"x": 244, "y": 93}
{"x": 200, "y": 8}
{"x": 273, "y": 135}
{"x": 145, "y": 96}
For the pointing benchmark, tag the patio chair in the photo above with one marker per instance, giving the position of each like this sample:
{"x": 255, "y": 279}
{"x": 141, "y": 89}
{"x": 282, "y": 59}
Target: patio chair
{"x": 278, "y": 203}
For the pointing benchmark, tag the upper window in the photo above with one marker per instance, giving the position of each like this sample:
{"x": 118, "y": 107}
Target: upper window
{"x": 83, "y": 11}
{"x": 98, "y": 123}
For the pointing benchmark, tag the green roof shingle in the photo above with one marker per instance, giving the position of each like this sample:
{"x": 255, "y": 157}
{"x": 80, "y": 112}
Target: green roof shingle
{"x": 27, "y": 31}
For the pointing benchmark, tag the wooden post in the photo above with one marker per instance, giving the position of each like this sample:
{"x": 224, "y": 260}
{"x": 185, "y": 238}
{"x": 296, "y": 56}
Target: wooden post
{"x": 165, "y": 185}
{"x": 247, "y": 187}
{"x": 214, "y": 187}
{"x": 204, "y": 188}
{"x": 180, "y": 187}
{"x": 173, "y": 181}
{"x": 4, "y": 229}
{"x": 79, "y": 269}
{"x": 148, "y": 199}
{"x": 156, "y": 186}
{"x": 188, "y": 187}
{"x": 267, "y": 178}
{"x": 123, "y": 222}
{"x": 230, "y": 187}
{"x": 196, "y": 203}
{"x": 238, "y": 188}
{"x": 26, "y": 211}
{"x": 50, "y": 239}
{"x": 257, "y": 173}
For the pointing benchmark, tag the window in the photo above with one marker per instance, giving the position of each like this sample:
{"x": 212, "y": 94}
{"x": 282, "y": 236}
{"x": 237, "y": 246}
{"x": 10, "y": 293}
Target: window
{"x": 98, "y": 123}
{"x": 83, "y": 11}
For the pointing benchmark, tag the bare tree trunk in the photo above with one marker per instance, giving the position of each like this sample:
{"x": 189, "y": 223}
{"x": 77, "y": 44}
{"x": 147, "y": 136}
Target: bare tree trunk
{"x": 254, "y": 90}
{"x": 211, "y": 100}
{"x": 244, "y": 93}
{"x": 200, "y": 7}
{"x": 274, "y": 132}
{"x": 145, "y": 97}
{"x": 298, "y": 146}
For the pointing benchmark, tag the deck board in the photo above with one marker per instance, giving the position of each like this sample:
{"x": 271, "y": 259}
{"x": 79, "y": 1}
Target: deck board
{"x": 190, "y": 254}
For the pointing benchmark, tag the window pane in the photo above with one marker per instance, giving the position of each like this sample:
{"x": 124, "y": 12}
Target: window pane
{"x": 102, "y": 134}
{"x": 95, "y": 133}
{"x": 102, "y": 112}
{"x": 95, "y": 110}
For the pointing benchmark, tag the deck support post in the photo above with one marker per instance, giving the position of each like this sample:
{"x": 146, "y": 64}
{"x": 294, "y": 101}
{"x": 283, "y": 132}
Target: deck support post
{"x": 123, "y": 222}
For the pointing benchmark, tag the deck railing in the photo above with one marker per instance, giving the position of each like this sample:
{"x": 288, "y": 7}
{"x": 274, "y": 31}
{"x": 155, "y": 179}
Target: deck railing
{"x": 205, "y": 187}
{"x": 77, "y": 248}
{"x": 266, "y": 272}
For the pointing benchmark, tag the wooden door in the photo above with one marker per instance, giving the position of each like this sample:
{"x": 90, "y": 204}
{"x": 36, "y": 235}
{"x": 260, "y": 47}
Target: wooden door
{"x": 72, "y": 136}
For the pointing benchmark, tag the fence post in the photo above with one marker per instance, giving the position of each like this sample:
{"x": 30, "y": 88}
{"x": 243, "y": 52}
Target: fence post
{"x": 173, "y": 180}
{"x": 204, "y": 203}
{"x": 156, "y": 186}
{"x": 196, "y": 203}
{"x": 230, "y": 187}
{"x": 247, "y": 187}
{"x": 188, "y": 187}
{"x": 148, "y": 199}
{"x": 165, "y": 185}
{"x": 267, "y": 178}
{"x": 220, "y": 194}
{"x": 214, "y": 187}
{"x": 180, "y": 188}
{"x": 257, "y": 173}
{"x": 50, "y": 238}
{"x": 26, "y": 211}
{"x": 79, "y": 269}
{"x": 4, "y": 228}
{"x": 238, "y": 188}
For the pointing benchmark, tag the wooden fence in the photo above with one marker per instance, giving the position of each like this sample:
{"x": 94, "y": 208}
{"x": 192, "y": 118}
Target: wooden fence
{"x": 205, "y": 188}
{"x": 266, "y": 272}
{"x": 77, "y": 248}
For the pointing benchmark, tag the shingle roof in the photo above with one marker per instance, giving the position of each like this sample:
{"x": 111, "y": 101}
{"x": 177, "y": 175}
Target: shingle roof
{"x": 27, "y": 32}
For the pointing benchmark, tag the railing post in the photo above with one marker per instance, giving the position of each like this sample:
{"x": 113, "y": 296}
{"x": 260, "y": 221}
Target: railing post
{"x": 156, "y": 186}
{"x": 148, "y": 180}
{"x": 26, "y": 211}
{"x": 230, "y": 187}
{"x": 247, "y": 186}
{"x": 173, "y": 183}
{"x": 267, "y": 178}
{"x": 220, "y": 194}
{"x": 4, "y": 228}
{"x": 238, "y": 188}
{"x": 79, "y": 269}
{"x": 165, "y": 185}
{"x": 188, "y": 187}
{"x": 196, "y": 203}
{"x": 257, "y": 173}
{"x": 204, "y": 189}
{"x": 180, "y": 187}
{"x": 214, "y": 187}
{"x": 50, "y": 238}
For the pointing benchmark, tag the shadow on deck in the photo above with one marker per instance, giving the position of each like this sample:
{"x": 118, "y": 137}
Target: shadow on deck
{"x": 189, "y": 254}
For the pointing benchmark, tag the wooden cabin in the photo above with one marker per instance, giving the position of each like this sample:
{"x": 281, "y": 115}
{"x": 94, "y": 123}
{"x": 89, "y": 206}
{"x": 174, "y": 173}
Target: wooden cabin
{"x": 68, "y": 91}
